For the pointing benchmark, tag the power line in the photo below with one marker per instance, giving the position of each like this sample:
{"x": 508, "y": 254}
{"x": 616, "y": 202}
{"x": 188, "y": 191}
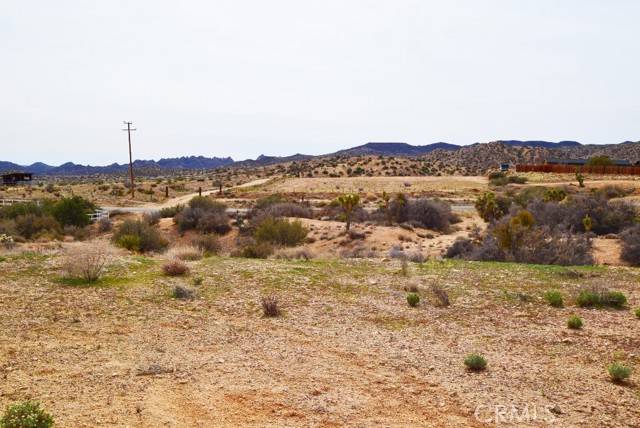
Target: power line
{"x": 129, "y": 129}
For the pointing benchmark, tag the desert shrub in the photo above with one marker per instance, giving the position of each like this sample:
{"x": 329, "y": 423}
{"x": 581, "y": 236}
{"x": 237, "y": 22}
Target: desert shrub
{"x": 280, "y": 232}
{"x": 287, "y": 209}
{"x": 21, "y": 209}
{"x": 26, "y": 414}
{"x": 460, "y": 248}
{"x": 501, "y": 179}
{"x": 31, "y": 226}
{"x": 6, "y": 241}
{"x": 128, "y": 242}
{"x": 611, "y": 191}
{"x": 554, "y": 194}
{"x": 175, "y": 268}
{"x": 185, "y": 252}
{"x": 575, "y": 322}
{"x": 104, "y": 225}
{"x": 441, "y": 295}
{"x": 554, "y": 298}
{"x": 295, "y": 254}
{"x": 430, "y": 214}
{"x": 170, "y": 212}
{"x": 630, "y": 251}
{"x": 491, "y": 207}
{"x": 591, "y": 297}
{"x": 152, "y": 217}
{"x": 599, "y": 160}
{"x": 139, "y": 235}
{"x": 619, "y": 372}
{"x": 78, "y": 233}
{"x": 267, "y": 201}
{"x": 86, "y": 264}
{"x": 8, "y": 227}
{"x": 72, "y": 211}
{"x": 256, "y": 250}
{"x": 183, "y": 293}
{"x": 357, "y": 252}
{"x": 637, "y": 312}
{"x": 475, "y": 362}
{"x": 413, "y": 299}
{"x": 270, "y": 306}
{"x": 208, "y": 244}
{"x": 205, "y": 215}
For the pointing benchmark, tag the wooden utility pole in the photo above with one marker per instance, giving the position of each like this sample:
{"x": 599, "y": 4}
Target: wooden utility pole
{"x": 133, "y": 186}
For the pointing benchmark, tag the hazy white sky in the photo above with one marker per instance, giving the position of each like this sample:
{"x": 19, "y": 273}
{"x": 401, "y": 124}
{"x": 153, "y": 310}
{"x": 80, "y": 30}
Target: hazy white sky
{"x": 240, "y": 78}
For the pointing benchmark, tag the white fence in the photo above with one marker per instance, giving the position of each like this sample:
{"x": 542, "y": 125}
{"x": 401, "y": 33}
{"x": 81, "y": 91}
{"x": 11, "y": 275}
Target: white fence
{"x": 98, "y": 215}
{"x": 7, "y": 202}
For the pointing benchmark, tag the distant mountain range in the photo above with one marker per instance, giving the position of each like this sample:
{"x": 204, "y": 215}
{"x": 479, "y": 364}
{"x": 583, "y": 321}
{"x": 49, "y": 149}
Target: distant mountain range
{"x": 626, "y": 150}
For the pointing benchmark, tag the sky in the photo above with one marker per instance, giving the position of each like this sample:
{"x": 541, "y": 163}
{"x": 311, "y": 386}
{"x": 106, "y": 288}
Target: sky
{"x": 242, "y": 78}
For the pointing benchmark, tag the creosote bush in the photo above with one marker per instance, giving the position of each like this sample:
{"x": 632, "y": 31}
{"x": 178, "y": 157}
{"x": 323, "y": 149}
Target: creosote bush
{"x": 203, "y": 214}
{"x": 637, "y": 313}
{"x": 619, "y": 372}
{"x": 138, "y": 235}
{"x": 574, "y": 322}
{"x": 270, "y": 306}
{"x": 175, "y": 268}
{"x": 413, "y": 299}
{"x": 554, "y": 298}
{"x": 475, "y": 362}
{"x": 280, "y": 232}
{"x": 26, "y": 414}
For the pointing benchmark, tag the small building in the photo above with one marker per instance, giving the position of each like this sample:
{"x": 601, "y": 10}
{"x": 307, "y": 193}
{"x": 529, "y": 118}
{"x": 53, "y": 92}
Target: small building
{"x": 17, "y": 178}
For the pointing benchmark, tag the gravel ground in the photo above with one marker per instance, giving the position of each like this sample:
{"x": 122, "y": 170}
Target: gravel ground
{"x": 347, "y": 350}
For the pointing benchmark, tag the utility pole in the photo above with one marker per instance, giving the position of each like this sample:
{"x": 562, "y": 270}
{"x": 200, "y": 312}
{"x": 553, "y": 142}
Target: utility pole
{"x": 129, "y": 129}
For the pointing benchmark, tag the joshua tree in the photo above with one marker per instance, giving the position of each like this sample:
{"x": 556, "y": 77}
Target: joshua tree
{"x": 579, "y": 177}
{"x": 348, "y": 202}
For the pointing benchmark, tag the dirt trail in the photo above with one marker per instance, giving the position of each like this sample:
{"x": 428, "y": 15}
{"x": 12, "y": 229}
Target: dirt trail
{"x": 182, "y": 200}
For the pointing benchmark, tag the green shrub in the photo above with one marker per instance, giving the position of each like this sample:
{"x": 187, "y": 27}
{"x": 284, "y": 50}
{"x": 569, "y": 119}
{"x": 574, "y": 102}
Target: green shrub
{"x": 596, "y": 297}
{"x": 413, "y": 299}
{"x": 169, "y": 212}
{"x": 554, "y": 298}
{"x": 475, "y": 362}
{"x": 72, "y": 211}
{"x": 260, "y": 250}
{"x": 280, "y": 232}
{"x": 637, "y": 312}
{"x": 129, "y": 242}
{"x": 148, "y": 236}
{"x": 31, "y": 226}
{"x": 26, "y": 414}
{"x": 614, "y": 299}
{"x": 491, "y": 207}
{"x": 619, "y": 372}
{"x": 574, "y": 322}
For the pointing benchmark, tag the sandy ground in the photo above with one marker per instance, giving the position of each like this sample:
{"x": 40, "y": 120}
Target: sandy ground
{"x": 460, "y": 186}
{"x": 347, "y": 351}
